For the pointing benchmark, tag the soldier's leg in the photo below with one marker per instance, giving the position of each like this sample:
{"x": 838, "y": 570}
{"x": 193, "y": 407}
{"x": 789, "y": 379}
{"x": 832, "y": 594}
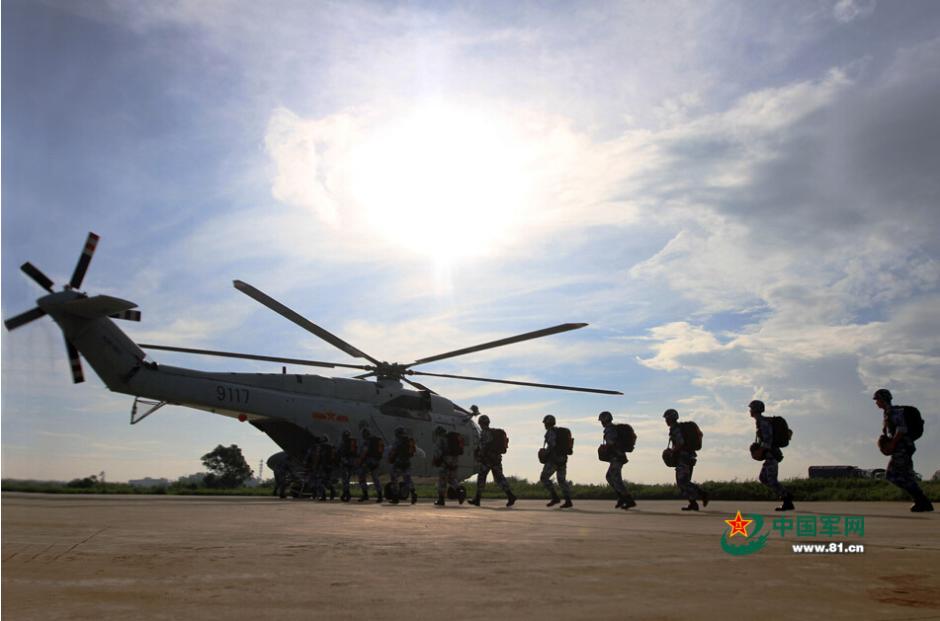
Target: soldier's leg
{"x": 442, "y": 478}
{"x": 500, "y": 478}
{"x": 546, "y": 479}
{"x": 768, "y": 476}
{"x": 363, "y": 484}
{"x": 482, "y": 473}
{"x": 374, "y": 469}
{"x": 900, "y": 471}
{"x": 687, "y": 489}
{"x": 562, "y": 476}
{"x": 615, "y": 478}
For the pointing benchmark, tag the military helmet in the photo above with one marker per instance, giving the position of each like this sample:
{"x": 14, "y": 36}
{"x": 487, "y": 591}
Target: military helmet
{"x": 484, "y": 421}
{"x": 439, "y": 431}
{"x": 756, "y": 405}
{"x": 605, "y": 417}
{"x": 884, "y": 394}
{"x": 400, "y": 432}
{"x": 365, "y": 432}
{"x": 670, "y": 413}
{"x": 549, "y": 420}
{"x": 347, "y": 433}
{"x": 474, "y": 409}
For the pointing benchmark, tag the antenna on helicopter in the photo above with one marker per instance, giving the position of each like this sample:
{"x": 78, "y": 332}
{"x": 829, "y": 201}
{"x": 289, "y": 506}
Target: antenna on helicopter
{"x": 387, "y": 370}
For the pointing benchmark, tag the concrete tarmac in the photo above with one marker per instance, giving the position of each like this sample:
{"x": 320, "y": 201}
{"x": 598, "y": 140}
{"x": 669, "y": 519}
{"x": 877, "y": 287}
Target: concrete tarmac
{"x": 175, "y": 557}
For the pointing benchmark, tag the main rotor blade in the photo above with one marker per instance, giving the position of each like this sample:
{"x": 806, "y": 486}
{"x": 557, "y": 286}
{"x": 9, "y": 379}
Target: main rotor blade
{"x": 301, "y": 321}
{"x": 41, "y": 279}
{"x": 486, "y": 379}
{"x": 226, "y": 354}
{"x": 79, "y": 274}
{"x": 75, "y": 363}
{"x": 23, "y": 318}
{"x": 507, "y": 341}
{"x": 418, "y": 386}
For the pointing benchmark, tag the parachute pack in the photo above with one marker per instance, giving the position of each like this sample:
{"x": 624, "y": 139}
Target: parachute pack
{"x": 564, "y": 443}
{"x": 376, "y": 447}
{"x": 499, "y": 441}
{"x": 782, "y": 432}
{"x": 913, "y": 421}
{"x": 350, "y": 447}
{"x": 454, "y": 444}
{"x": 626, "y": 438}
{"x": 409, "y": 449}
{"x": 691, "y": 436}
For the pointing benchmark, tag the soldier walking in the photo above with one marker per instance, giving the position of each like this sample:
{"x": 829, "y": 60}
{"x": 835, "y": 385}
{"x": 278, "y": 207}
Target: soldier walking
{"x": 445, "y": 458}
{"x": 400, "y": 458}
{"x": 897, "y": 440}
{"x": 348, "y": 455}
{"x": 554, "y": 456}
{"x": 489, "y": 456}
{"x": 772, "y": 455}
{"x": 616, "y": 455}
{"x": 279, "y": 463}
{"x": 370, "y": 458}
{"x": 684, "y": 459}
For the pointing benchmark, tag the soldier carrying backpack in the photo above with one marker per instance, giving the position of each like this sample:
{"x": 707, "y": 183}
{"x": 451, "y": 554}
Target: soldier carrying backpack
{"x": 902, "y": 424}
{"x": 772, "y": 433}
{"x": 618, "y": 441}
{"x": 554, "y": 455}
{"x": 685, "y": 439}
{"x": 489, "y": 455}
{"x": 370, "y": 457}
{"x": 448, "y": 447}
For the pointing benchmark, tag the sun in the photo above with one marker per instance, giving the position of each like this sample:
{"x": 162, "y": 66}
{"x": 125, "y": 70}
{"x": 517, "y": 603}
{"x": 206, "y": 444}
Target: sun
{"x": 446, "y": 181}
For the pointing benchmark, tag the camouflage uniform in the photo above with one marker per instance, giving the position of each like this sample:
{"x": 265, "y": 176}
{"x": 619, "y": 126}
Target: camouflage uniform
{"x": 618, "y": 459}
{"x": 447, "y": 469}
{"x": 324, "y": 470}
{"x": 279, "y": 463}
{"x": 556, "y": 462}
{"x": 368, "y": 466}
{"x": 685, "y": 464}
{"x": 401, "y": 469}
{"x": 773, "y": 456}
{"x": 490, "y": 459}
{"x": 347, "y": 463}
{"x": 900, "y": 470}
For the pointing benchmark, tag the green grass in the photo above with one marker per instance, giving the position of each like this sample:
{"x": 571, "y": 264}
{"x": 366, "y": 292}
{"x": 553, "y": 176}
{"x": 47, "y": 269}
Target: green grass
{"x": 802, "y": 489}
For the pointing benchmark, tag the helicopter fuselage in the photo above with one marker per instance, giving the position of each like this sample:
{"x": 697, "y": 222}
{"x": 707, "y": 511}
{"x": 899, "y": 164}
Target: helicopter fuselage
{"x": 290, "y": 408}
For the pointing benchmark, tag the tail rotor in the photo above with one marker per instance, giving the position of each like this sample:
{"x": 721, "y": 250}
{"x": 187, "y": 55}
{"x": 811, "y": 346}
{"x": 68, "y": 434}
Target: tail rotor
{"x": 78, "y": 275}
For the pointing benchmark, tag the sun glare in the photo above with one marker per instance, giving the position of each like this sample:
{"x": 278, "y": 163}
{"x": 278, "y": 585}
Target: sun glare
{"x": 447, "y": 182}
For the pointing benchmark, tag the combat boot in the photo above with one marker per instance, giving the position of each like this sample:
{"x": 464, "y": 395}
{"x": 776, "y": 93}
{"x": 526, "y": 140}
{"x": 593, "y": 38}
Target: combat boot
{"x": 379, "y": 496}
{"x": 693, "y": 506}
{"x": 440, "y": 500}
{"x": 414, "y": 497}
{"x": 787, "y": 504}
{"x": 704, "y": 498}
{"x": 475, "y": 500}
{"x": 628, "y": 502}
{"x": 554, "y": 501}
{"x": 922, "y": 504}
{"x": 510, "y": 499}
{"x": 364, "y": 497}
{"x": 567, "y": 504}
{"x": 461, "y": 494}
{"x": 345, "y": 497}
{"x": 619, "y": 504}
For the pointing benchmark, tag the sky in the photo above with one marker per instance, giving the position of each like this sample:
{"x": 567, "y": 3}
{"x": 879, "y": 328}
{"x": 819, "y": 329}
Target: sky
{"x": 741, "y": 199}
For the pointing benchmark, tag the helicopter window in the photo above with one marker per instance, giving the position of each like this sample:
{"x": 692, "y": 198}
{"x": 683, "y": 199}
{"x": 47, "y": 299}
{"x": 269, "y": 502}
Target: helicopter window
{"x": 407, "y": 406}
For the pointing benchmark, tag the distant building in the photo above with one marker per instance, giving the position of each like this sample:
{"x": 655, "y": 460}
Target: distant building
{"x": 192, "y": 479}
{"x": 149, "y": 482}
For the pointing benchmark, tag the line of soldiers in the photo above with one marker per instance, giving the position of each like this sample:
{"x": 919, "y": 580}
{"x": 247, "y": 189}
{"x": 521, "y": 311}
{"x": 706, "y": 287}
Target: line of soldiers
{"x": 772, "y": 434}
{"x": 685, "y": 439}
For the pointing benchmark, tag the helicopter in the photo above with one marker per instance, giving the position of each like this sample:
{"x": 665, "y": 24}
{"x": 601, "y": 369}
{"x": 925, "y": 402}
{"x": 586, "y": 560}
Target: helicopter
{"x": 295, "y": 410}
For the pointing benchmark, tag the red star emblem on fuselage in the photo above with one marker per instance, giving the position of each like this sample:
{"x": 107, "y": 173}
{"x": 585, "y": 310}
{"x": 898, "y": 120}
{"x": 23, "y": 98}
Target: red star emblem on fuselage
{"x": 738, "y": 525}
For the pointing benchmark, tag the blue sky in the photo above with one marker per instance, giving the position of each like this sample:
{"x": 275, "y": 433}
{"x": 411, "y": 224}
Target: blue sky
{"x": 740, "y": 198}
